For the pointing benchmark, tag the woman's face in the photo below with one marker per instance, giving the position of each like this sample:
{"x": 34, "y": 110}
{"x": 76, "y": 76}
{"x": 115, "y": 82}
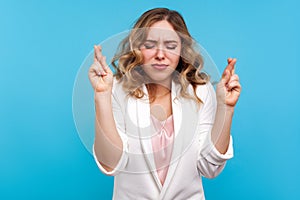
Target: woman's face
{"x": 161, "y": 52}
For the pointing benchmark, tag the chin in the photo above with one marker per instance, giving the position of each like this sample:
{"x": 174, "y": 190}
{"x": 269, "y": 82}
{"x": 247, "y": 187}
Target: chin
{"x": 164, "y": 76}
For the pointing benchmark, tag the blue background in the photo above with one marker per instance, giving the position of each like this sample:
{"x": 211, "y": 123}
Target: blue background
{"x": 43, "y": 43}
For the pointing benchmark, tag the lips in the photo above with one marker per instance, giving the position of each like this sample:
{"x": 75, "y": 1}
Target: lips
{"x": 159, "y": 66}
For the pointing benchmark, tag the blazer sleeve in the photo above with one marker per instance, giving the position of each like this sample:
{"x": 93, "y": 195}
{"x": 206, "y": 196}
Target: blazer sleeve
{"x": 210, "y": 161}
{"x": 118, "y": 113}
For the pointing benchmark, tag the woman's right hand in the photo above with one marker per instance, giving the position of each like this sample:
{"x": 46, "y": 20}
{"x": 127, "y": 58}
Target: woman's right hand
{"x": 100, "y": 75}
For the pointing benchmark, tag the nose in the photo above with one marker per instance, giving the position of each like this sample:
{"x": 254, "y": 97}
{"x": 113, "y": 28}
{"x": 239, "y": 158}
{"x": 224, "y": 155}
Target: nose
{"x": 160, "y": 54}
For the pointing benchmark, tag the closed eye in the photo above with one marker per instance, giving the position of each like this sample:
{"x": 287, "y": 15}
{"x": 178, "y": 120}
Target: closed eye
{"x": 171, "y": 47}
{"x": 150, "y": 44}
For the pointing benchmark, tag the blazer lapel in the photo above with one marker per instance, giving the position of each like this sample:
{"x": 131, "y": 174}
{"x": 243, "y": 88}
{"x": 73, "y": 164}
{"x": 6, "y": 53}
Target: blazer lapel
{"x": 177, "y": 146}
{"x": 145, "y": 133}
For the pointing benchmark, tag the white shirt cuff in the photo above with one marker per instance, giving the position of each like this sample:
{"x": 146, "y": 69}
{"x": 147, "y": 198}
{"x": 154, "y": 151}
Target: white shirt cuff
{"x": 212, "y": 155}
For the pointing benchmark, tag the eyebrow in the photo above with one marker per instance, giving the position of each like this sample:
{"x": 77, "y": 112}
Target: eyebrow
{"x": 166, "y": 42}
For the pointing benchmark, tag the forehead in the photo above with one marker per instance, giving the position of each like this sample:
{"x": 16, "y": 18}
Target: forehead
{"x": 162, "y": 30}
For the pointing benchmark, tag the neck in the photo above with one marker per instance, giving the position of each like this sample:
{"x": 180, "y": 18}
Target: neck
{"x": 163, "y": 86}
{"x": 158, "y": 90}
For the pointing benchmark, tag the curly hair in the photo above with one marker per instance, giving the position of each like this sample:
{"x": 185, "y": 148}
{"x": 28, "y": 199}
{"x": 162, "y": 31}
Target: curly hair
{"x": 129, "y": 56}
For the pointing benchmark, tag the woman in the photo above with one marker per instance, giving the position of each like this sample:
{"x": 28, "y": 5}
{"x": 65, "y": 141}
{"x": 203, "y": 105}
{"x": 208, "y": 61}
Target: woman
{"x": 159, "y": 124}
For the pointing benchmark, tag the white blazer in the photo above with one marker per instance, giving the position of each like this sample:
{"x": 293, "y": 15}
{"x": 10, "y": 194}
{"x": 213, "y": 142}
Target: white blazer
{"x": 193, "y": 154}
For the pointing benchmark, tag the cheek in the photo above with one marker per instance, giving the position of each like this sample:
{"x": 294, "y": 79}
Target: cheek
{"x": 147, "y": 55}
{"x": 174, "y": 59}
{"x": 174, "y": 56}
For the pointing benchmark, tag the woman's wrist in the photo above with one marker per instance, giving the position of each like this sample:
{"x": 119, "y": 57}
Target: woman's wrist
{"x": 224, "y": 107}
{"x": 102, "y": 96}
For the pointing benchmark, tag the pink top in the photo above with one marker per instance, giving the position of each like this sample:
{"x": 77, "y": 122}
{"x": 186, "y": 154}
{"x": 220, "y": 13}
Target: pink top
{"x": 162, "y": 145}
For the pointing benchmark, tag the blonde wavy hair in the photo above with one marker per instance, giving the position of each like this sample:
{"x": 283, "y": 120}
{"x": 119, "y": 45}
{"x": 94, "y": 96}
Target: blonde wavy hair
{"x": 128, "y": 59}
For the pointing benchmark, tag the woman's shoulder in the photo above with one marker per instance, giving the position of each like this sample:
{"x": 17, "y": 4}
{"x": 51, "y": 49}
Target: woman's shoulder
{"x": 116, "y": 82}
{"x": 203, "y": 90}
{"x": 206, "y": 93}
{"x": 117, "y": 88}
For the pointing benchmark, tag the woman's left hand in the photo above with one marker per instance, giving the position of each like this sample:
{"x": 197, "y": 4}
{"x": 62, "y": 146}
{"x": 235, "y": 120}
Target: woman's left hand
{"x": 229, "y": 88}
